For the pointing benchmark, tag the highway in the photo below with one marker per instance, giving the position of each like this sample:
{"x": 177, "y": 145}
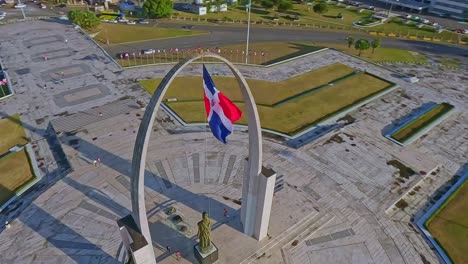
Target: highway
{"x": 229, "y": 35}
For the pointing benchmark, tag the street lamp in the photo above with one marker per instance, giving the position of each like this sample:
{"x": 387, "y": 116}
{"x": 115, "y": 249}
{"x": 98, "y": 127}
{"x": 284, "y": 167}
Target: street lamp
{"x": 248, "y": 34}
{"x": 391, "y": 5}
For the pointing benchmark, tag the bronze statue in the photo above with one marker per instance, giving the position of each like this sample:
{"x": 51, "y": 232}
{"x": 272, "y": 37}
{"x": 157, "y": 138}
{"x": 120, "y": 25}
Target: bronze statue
{"x": 204, "y": 229}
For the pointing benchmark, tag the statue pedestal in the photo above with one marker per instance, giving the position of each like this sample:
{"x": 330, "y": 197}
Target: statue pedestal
{"x": 208, "y": 258}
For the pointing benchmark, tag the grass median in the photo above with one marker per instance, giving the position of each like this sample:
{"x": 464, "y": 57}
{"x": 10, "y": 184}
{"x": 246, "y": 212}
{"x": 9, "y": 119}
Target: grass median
{"x": 121, "y": 33}
{"x": 279, "y": 51}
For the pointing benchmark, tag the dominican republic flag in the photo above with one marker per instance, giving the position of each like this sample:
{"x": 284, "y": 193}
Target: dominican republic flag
{"x": 221, "y": 112}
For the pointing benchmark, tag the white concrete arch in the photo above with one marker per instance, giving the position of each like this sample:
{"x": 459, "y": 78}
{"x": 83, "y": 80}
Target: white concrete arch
{"x": 254, "y": 163}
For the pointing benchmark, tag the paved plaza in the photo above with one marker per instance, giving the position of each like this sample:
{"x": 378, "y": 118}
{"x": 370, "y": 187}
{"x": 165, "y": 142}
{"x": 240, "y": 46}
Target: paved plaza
{"x": 332, "y": 208}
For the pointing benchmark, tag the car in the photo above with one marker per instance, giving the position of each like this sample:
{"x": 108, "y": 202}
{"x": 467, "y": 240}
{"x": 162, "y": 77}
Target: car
{"x": 186, "y": 7}
{"x": 123, "y": 20}
{"x": 43, "y": 6}
{"x": 2, "y": 13}
{"x": 188, "y": 26}
{"x": 131, "y": 23}
{"x": 149, "y": 51}
{"x": 20, "y": 6}
{"x": 435, "y": 24}
{"x": 425, "y": 21}
{"x": 459, "y": 30}
{"x": 105, "y": 20}
{"x": 113, "y": 21}
{"x": 76, "y": 27}
{"x": 143, "y": 21}
{"x": 62, "y": 5}
{"x": 63, "y": 17}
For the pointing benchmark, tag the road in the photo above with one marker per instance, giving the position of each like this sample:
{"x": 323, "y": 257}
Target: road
{"x": 228, "y": 35}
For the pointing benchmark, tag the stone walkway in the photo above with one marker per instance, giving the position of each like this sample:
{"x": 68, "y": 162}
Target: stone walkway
{"x": 331, "y": 206}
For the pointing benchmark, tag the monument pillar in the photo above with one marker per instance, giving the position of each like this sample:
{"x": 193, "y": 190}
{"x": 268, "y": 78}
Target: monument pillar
{"x": 257, "y": 199}
{"x": 257, "y": 191}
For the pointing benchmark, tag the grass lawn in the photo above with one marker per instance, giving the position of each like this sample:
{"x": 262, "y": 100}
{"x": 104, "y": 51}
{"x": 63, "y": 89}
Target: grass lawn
{"x": 381, "y": 54}
{"x": 15, "y": 168}
{"x": 4, "y": 91}
{"x": 19, "y": 173}
{"x": 449, "y": 226}
{"x": 421, "y": 122}
{"x": 121, "y": 33}
{"x": 11, "y": 133}
{"x": 293, "y": 116}
{"x": 264, "y": 92}
{"x": 455, "y": 63}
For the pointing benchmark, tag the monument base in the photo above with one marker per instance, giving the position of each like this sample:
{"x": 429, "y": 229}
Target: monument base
{"x": 207, "y": 258}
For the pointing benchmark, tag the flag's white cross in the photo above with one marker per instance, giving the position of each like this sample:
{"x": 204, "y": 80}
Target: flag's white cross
{"x": 216, "y": 107}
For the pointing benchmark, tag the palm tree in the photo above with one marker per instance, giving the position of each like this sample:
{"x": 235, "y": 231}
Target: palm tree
{"x": 361, "y": 45}
{"x": 350, "y": 41}
{"x": 375, "y": 44}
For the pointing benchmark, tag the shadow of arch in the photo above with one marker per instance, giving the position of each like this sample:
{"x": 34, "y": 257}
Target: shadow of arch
{"x": 144, "y": 132}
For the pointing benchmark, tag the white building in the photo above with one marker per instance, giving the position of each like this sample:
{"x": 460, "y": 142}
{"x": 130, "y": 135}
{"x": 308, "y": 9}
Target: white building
{"x": 199, "y": 10}
{"x": 454, "y": 8}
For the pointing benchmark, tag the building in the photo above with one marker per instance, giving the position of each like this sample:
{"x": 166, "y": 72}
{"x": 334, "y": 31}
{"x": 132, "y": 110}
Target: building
{"x": 454, "y": 8}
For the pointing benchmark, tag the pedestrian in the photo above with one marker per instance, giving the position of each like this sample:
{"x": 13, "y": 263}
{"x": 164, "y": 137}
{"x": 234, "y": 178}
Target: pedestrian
{"x": 100, "y": 114}
{"x": 95, "y": 162}
{"x": 168, "y": 249}
{"x": 99, "y": 161}
{"x": 45, "y": 57}
{"x": 177, "y": 255}
{"x": 225, "y": 212}
{"x": 66, "y": 41}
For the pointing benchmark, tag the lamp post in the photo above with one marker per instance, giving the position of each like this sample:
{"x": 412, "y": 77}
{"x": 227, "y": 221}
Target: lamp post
{"x": 391, "y": 5}
{"x": 248, "y": 34}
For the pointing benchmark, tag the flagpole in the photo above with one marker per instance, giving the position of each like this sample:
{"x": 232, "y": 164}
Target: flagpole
{"x": 248, "y": 32}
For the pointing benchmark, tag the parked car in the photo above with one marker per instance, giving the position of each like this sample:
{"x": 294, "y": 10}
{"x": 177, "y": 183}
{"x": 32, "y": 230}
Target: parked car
{"x": 105, "y": 20}
{"x": 123, "y": 20}
{"x": 408, "y": 16}
{"x": 188, "y": 26}
{"x": 131, "y": 23}
{"x": 143, "y": 21}
{"x": 20, "y": 6}
{"x": 425, "y": 21}
{"x": 459, "y": 30}
{"x": 149, "y": 51}
{"x": 2, "y": 13}
{"x": 113, "y": 21}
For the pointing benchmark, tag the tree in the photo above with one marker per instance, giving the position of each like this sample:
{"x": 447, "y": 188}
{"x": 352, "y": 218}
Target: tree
{"x": 375, "y": 44}
{"x": 284, "y": 5}
{"x": 157, "y": 8}
{"x": 84, "y": 19}
{"x": 321, "y": 8}
{"x": 267, "y": 4}
{"x": 361, "y": 45}
{"x": 350, "y": 41}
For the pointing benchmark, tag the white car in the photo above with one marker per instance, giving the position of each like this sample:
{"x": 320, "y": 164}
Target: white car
{"x": 2, "y": 13}
{"x": 142, "y": 21}
{"x": 105, "y": 20}
{"x": 123, "y": 20}
{"x": 131, "y": 23}
{"x": 113, "y": 21}
{"x": 20, "y": 6}
{"x": 63, "y": 17}
{"x": 149, "y": 51}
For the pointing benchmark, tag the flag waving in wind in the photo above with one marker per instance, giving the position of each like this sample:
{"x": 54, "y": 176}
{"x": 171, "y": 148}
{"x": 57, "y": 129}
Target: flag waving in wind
{"x": 221, "y": 112}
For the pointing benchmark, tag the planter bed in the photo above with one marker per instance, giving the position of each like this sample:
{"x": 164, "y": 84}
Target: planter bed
{"x": 427, "y": 120}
